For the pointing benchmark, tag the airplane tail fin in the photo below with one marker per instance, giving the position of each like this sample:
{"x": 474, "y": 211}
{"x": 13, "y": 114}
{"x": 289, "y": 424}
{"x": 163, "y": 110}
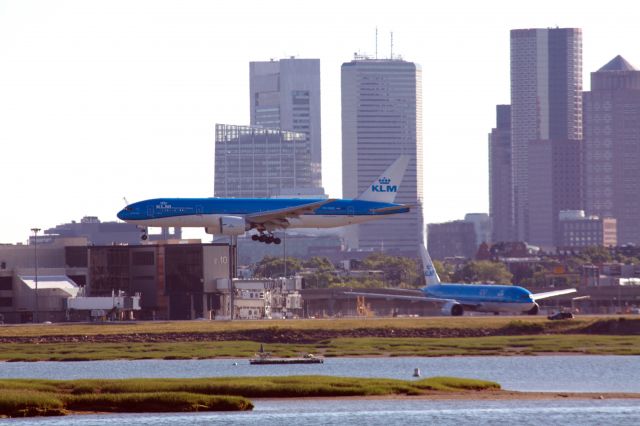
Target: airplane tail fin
{"x": 386, "y": 186}
{"x": 430, "y": 274}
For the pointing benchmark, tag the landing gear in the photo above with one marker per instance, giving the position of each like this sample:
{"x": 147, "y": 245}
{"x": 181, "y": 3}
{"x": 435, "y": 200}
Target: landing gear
{"x": 266, "y": 238}
{"x": 143, "y": 234}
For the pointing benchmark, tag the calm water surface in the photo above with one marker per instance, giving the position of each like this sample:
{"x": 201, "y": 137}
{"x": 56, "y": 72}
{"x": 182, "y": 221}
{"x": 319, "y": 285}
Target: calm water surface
{"x": 522, "y": 373}
{"x": 382, "y": 413}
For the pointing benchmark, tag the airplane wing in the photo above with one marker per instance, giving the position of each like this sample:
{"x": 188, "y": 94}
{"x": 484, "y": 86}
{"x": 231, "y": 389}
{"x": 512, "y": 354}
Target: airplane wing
{"x": 391, "y": 208}
{"x": 400, "y": 297}
{"x": 539, "y": 296}
{"x": 279, "y": 216}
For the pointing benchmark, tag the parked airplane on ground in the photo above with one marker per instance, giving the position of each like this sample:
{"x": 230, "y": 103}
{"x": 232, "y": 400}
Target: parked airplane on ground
{"x": 235, "y": 216}
{"x": 456, "y": 298}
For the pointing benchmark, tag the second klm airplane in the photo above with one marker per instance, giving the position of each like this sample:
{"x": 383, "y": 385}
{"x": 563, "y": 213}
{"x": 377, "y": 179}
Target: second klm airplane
{"x": 235, "y": 216}
{"x": 456, "y": 298}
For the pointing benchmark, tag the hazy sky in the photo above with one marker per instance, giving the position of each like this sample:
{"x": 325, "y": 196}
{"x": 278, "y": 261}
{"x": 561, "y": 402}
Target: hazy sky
{"x": 101, "y": 100}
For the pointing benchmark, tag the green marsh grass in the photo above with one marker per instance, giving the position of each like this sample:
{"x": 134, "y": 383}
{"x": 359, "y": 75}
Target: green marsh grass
{"x": 59, "y": 397}
{"x": 362, "y": 346}
{"x": 163, "y": 327}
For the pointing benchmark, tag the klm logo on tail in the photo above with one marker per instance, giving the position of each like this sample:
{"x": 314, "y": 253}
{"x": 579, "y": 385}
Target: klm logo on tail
{"x": 381, "y": 189}
{"x": 384, "y": 186}
{"x": 429, "y": 271}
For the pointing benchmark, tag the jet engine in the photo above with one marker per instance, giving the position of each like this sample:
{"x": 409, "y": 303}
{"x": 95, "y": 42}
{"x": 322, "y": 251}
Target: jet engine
{"x": 228, "y": 225}
{"x": 534, "y": 310}
{"x": 453, "y": 309}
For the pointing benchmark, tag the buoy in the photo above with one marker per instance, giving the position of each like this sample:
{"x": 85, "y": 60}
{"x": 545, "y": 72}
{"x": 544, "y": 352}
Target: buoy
{"x": 416, "y": 372}
{"x": 235, "y": 363}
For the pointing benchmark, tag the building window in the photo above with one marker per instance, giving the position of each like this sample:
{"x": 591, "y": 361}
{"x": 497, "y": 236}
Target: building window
{"x": 6, "y": 302}
{"x": 142, "y": 258}
{"x": 6, "y": 283}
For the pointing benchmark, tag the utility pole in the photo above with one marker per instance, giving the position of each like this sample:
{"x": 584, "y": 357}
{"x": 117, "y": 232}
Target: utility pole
{"x": 35, "y": 243}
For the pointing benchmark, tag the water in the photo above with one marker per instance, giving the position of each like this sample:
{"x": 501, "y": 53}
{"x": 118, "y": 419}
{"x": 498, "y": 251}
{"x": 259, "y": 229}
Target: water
{"x": 522, "y": 373}
{"x": 381, "y": 413}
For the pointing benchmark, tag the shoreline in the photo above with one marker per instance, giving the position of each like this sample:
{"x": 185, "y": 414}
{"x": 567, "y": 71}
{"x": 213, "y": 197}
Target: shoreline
{"x": 329, "y": 357}
{"x": 433, "y": 396}
{"x": 489, "y": 395}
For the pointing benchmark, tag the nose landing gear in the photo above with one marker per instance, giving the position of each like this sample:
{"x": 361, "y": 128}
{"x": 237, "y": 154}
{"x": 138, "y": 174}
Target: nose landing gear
{"x": 266, "y": 238}
{"x": 143, "y": 234}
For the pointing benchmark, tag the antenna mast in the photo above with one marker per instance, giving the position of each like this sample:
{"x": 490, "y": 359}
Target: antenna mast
{"x": 376, "y": 42}
{"x": 391, "y": 44}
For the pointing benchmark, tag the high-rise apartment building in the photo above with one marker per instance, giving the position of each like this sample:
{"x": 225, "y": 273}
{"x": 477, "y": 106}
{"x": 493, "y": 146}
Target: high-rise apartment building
{"x": 255, "y": 162}
{"x": 285, "y": 94}
{"x": 612, "y": 147}
{"x": 546, "y": 103}
{"x": 381, "y": 120}
{"x": 500, "y": 183}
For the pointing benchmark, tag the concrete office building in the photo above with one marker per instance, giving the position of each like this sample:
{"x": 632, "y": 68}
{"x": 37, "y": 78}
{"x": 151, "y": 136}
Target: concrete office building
{"x": 255, "y": 162}
{"x": 575, "y": 230}
{"x": 382, "y": 119}
{"x": 59, "y": 277}
{"x": 103, "y": 233}
{"x": 554, "y": 185}
{"x": 612, "y": 147}
{"x": 452, "y": 239}
{"x": 500, "y": 183}
{"x": 176, "y": 281}
{"x": 546, "y": 104}
{"x": 481, "y": 225}
{"x": 285, "y": 94}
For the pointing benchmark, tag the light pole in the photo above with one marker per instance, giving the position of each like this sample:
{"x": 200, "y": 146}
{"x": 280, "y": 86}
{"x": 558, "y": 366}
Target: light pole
{"x": 35, "y": 243}
{"x": 284, "y": 251}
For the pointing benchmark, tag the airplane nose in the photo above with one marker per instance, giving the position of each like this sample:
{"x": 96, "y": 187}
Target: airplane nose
{"x": 125, "y": 213}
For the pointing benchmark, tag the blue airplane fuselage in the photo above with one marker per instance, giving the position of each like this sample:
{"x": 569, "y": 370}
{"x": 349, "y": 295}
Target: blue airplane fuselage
{"x": 484, "y": 298}
{"x": 206, "y": 212}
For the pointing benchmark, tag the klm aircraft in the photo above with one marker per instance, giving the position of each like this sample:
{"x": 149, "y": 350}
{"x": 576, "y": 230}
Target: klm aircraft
{"x": 235, "y": 216}
{"x": 456, "y": 298}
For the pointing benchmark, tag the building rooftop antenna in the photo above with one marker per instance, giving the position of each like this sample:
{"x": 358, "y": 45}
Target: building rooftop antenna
{"x": 376, "y": 42}
{"x": 391, "y": 45}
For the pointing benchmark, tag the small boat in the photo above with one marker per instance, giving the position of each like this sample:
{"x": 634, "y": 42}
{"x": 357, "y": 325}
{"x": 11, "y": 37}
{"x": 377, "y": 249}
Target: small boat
{"x": 307, "y": 359}
{"x": 264, "y": 358}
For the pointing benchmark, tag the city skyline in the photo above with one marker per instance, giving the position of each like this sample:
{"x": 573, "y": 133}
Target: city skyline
{"x": 100, "y": 101}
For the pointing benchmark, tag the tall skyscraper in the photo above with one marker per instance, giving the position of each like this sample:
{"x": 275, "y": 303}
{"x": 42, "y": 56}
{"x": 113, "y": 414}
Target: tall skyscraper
{"x": 546, "y": 103}
{"x": 612, "y": 147}
{"x": 255, "y": 162}
{"x": 500, "y": 201}
{"x": 285, "y": 94}
{"x": 382, "y": 119}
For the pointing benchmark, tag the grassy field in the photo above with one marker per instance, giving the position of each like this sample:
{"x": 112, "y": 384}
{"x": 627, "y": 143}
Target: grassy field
{"x": 331, "y": 338}
{"x": 162, "y": 327}
{"x": 378, "y": 346}
{"x": 20, "y": 398}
